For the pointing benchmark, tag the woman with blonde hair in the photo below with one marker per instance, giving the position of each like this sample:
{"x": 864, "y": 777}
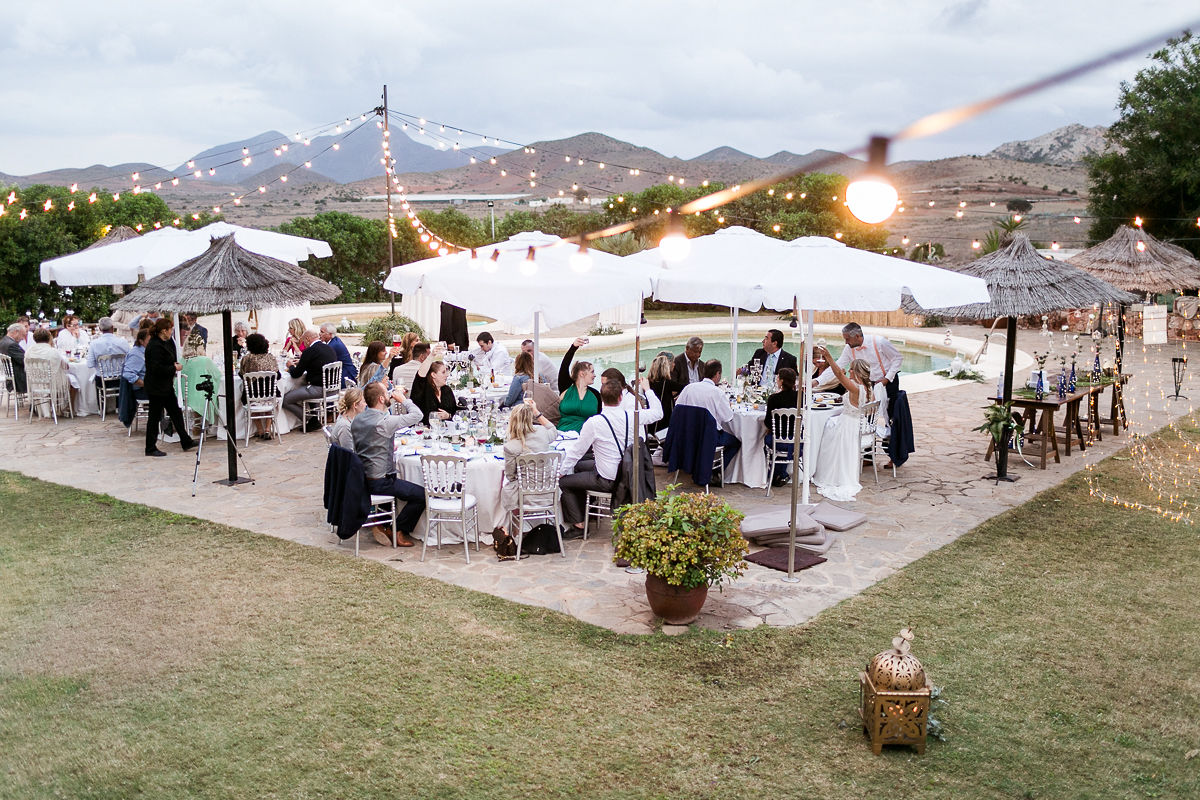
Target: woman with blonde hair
{"x": 839, "y": 462}
{"x": 663, "y": 386}
{"x": 293, "y": 345}
{"x": 349, "y": 405}
{"x": 528, "y": 432}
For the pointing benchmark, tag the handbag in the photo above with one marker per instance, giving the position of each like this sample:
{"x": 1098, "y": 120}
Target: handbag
{"x": 541, "y": 540}
{"x": 504, "y": 545}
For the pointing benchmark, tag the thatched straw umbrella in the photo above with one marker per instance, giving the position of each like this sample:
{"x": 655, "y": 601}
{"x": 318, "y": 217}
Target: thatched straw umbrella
{"x": 121, "y": 233}
{"x": 1135, "y": 261}
{"x": 1022, "y": 282}
{"x": 228, "y": 278}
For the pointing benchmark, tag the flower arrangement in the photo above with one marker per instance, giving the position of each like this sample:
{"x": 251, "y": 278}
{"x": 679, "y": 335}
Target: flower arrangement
{"x": 688, "y": 540}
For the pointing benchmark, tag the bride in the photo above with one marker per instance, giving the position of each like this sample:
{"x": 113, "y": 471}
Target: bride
{"x": 839, "y": 461}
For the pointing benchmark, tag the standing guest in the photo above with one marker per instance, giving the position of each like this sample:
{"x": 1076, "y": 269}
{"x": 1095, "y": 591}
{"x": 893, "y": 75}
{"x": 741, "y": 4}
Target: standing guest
{"x": 522, "y": 373}
{"x": 12, "y": 346}
{"x": 329, "y": 336}
{"x": 349, "y": 406}
{"x": 491, "y": 356}
{"x": 772, "y": 357}
{"x": 579, "y": 400}
{"x": 64, "y": 383}
{"x": 189, "y": 319}
{"x": 664, "y": 386}
{"x": 373, "y": 369}
{"x": 237, "y": 344}
{"x": 839, "y": 462}
{"x": 528, "y": 432}
{"x": 546, "y": 373}
{"x": 606, "y": 434}
{"x": 882, "y": 356}
{"x": 404, "y": 374}
{"x": 72, "y": 336}
{"x": 688, "y": 367}
{"x": 107, "y": 343}
{"x": 706, "y": 395}
{"x": 311, "y": 365}
{"x": 783, "y": 397}
{"x": 374, "y": 433}
{"x": 162, "y": 364}
{"x": 258, "y": 358}
{"x": 138, "y": 321}
{"x": 438, "y": 402}
{"x": 293, "y": 344}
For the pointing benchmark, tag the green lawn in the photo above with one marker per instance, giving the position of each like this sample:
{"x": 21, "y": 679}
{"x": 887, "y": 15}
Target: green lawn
{"x": 144, "y": 654}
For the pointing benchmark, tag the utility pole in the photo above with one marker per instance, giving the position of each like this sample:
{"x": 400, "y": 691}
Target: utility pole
{"x": 388, "y": 172}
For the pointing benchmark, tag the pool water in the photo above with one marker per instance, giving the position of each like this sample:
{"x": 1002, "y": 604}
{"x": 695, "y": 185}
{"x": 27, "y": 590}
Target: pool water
{"x": 916, "y": 358}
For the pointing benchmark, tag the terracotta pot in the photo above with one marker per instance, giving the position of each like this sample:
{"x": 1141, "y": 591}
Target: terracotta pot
{"x": 676, "y": 605}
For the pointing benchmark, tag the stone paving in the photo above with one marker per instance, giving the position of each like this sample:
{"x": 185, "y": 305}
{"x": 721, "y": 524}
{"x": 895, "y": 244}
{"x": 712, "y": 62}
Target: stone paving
{"x": 936, "y": 497}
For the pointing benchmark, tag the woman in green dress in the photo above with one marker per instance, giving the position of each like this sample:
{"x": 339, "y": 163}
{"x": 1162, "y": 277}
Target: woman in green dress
{"x": 579, "y": 401}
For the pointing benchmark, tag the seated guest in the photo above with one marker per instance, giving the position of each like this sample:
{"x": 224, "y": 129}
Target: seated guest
{"x": 107, "y": 343}
{"x": 546, "y": 373}
{"x": 522, "y": 373}
{"x": 579, "y": 400}
{"x": 491, "y": 357}
{"x": 310, "y": 365}
{"x": 64, "y": 383}
{"x": 528, "y": 432}
{"x": 564, "y": 368}
{"x": 783, "y": 397}
{"x": 599, "y": 472}
{"x": 374, "y": 434}
{"x": 404, "y": 354}
{"x": 706, "y": 395}
{"x": 29, "y": 326}
{"x": 11, "y": 346}
{"x": 771, "y": 357}
{"x": 664, "y": 387}
{"x": 651, "y": 409}
{"x": 373, "y": 369}
{"x": 134, "y": 369}
{"x": 293, "y": 343}
{"x": 258, "y": 358}
{"x": 189, "y": 318}
{"x": 688, "y": 367}
{"x": 438, "y": 401}
{"x": 237, "y": 344}
{"x": 404, "y": 374}
{"x": 72, "y": 336}
{"x": 162, "y": 365}
{"x": 329, "y": 336}
{"x": 350, "y": 404}
{"x": 879, "y": 353}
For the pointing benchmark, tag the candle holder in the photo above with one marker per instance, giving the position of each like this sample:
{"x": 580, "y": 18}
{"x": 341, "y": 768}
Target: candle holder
{"x": 1178, "y": 368}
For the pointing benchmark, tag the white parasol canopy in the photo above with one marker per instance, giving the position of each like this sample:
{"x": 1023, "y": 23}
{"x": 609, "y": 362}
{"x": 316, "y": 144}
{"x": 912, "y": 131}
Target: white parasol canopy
{"x": 154, "y": 253}
{"x": 725, "y": 268}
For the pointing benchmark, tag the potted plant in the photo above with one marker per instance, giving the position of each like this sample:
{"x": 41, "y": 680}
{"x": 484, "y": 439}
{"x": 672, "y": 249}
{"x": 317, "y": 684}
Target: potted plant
{"x": 998, "y": 421}
{"x": 686, "y": 543}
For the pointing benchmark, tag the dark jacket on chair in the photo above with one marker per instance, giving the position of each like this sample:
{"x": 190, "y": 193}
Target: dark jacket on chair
{"x": 901, "y": 442}
{"x": 347, "y": 501}
{"x": 691, "y": 443}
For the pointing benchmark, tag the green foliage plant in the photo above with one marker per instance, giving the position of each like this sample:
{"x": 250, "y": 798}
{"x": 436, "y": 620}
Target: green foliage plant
{"x": 688, "y": 540}
{"x": 381, "y": 329}
{"x": 604, "y": 330}
{"x": 997, "y": 421}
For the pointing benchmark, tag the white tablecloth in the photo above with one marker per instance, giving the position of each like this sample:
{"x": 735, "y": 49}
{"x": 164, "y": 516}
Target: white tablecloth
{"x": 86, "y": 402}
{"x": 284, "y": 421}
{"x": 749, "y": 467}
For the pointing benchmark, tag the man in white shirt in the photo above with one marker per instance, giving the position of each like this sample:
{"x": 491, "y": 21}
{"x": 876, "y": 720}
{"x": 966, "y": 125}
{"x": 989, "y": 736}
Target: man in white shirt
{"x": 490, "y": 356}
{"x": 878, "y": 351}
{"x": 706, "y": 395}
{"x": 547, "y": 371}
{"x": 599, "y": 472}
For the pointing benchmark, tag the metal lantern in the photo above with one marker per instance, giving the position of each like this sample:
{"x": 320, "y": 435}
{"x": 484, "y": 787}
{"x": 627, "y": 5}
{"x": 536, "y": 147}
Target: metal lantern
{"x": 895, "y": 694}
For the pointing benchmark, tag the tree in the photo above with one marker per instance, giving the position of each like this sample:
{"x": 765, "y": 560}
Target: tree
{"x": 1019, "y": 206}
{"x": 1151, "y": 169}
{"x": 360, "y": 251}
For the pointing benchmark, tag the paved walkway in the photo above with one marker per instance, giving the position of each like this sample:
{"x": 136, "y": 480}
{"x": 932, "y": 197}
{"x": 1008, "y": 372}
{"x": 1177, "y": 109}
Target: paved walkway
{"x": 937, "y": 496}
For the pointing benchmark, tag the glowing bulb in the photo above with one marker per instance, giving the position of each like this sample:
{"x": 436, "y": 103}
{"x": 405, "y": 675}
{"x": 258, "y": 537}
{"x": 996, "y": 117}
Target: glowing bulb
{"x": 958, "y": 214}
{"x": 992, "y": 204}
{"x": 803, "y": 195}
{"x": 529, "y": 265}
{"x": 174, "y": 181}
{"x": 904, "y": 240}
{"x": 975, "y": 244}
{"x": 580, "y": 260}
{"x": 442, "y": 251}
{"x": 1017, "y": 217}
{"x": 262, "y": 190}
{"x": 770, "y": 192}
{"x": 775, "y": 228}
{"x": 1141, "y": 246}
{"x": 838, "y": 236}
{"x": 1076, "y": 221}
{"x": 1054, "y": 245}
{"x": 872, "y": 199}
{"x": 493, "y": 263}
{"x": 1137, "y": 221}
{"x": 675, "y": 245}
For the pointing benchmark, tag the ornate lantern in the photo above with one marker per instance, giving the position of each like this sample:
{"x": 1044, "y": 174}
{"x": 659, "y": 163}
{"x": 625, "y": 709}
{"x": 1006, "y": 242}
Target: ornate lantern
{"x": 895, "y": 697}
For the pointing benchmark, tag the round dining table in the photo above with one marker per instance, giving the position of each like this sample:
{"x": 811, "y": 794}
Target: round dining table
{"x": 749, "y": 466}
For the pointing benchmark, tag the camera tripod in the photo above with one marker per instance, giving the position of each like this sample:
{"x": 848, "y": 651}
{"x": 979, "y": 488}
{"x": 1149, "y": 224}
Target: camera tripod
{"x": 207, "y": 387}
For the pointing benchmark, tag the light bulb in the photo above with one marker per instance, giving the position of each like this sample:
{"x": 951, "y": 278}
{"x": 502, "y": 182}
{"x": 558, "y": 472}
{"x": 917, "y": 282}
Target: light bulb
{"x": 872, "y": 198}
{"x": 675, "y": 245}
{"x": 529, "y": 266}
{"x": 580, "y": 260}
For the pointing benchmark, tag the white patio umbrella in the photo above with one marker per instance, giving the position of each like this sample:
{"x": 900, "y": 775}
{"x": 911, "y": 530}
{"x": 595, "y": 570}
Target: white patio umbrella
{"x": 158, "y": 251}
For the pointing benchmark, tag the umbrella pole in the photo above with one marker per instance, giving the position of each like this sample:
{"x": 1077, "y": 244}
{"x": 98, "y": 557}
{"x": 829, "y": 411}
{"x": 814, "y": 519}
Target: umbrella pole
{"x": 733, "y": 356}
{"x": 636, "y": 496}
{"x": 230, "y": 419}
{"x": 537, "y": 344}
{"x": 804, "y": 391}
{"x": 1010, "y": 357}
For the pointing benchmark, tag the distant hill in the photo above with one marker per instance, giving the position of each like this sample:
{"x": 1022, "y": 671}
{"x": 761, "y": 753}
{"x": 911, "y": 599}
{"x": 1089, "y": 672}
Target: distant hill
{"x": 1065, "y": 145}
{"x": 728, "y": 154}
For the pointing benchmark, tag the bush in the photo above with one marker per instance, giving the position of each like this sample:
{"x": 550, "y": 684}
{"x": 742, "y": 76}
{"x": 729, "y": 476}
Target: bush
{"x": 383, "y": 328}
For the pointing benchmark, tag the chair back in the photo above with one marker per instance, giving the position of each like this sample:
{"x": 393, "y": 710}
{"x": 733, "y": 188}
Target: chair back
{"x": 783, "y": 425}
{"x": 7, "y": 375}
{"x": 331, "y": 378}
{"x": 866, "y": 427}
{"x": 109, "y": 366}
{"x": 328, "y": 431}
{"x": 39, "y": 375}
{"x": 260, "y": 386}
{"x": 537, "y": 473}
{"x": 444, "y": 476}
{"x": 547, "y": 401}
{"x": 691, "y": 442}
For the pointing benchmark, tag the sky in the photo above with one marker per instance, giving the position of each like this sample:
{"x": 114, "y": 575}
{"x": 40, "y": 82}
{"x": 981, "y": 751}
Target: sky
{"x": 115, "y": 82}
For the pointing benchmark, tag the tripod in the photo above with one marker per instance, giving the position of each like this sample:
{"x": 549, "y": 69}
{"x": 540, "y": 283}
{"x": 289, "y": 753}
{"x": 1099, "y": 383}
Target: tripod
{"x": 208, "y": 396}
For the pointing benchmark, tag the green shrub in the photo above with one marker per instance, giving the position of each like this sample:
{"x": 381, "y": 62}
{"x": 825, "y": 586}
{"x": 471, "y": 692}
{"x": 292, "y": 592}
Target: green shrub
{"x": 383, "y": 328}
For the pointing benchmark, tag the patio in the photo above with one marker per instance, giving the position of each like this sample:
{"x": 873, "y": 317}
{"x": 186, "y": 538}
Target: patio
{"x": 937, "y": 497}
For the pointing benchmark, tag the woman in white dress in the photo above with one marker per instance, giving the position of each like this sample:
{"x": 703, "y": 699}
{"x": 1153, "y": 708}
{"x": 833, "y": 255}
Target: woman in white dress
{"x": 64, "y": 383}
{"x": 72, "y": 336}
{"x": 839, "y": 462}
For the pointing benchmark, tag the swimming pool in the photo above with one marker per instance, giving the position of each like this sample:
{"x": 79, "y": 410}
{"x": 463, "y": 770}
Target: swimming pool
{"x": 917, "y": 358}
